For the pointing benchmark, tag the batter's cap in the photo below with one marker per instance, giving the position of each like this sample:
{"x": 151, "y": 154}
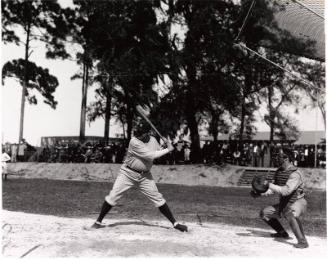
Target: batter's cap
{"x": 141, "y": 128}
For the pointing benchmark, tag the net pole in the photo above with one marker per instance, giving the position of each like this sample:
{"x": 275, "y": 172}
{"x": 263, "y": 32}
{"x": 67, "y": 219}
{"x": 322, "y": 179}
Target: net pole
{"x": 245, "y": 19}
{"x": 316, "y": 114}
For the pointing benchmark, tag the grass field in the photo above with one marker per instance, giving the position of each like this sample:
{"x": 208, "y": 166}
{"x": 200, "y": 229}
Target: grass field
{"x": 190, "y": 204}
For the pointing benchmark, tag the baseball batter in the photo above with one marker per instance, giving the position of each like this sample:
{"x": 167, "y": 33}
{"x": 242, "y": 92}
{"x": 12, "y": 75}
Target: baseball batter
{"x": 135, "y": 172}
{"x": 289, "y": 184}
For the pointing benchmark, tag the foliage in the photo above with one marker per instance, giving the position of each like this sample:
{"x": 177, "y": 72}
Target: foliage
{"x": 45, "y": 20}
{"x": 39, "y": 79}
{"x": 129, "y": 44}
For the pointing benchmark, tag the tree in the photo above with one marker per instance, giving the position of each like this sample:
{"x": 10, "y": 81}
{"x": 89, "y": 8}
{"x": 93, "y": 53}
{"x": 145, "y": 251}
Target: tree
{"x": 79, "y": 19}
{"x": 205, "y": 51}
{"x": 39, "y": 79}
{"x": 262, "y": 30}
{"x": 40, "y": 20}
{"x": 131, "y": 47}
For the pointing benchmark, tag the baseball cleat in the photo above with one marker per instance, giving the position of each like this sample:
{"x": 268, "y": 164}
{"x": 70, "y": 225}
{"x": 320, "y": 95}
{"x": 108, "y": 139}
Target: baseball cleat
{"x": 180, "y": 227}
{"x": 281, "y": 235}
{"x": 302, "y": 244}
{"x": 96, "y": 225}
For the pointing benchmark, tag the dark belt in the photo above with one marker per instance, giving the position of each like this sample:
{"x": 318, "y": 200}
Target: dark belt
{"x": 141, "y": 172}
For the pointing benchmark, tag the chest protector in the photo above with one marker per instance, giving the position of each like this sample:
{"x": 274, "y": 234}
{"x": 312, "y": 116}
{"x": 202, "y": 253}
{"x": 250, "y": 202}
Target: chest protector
{"x": 281, "y": 177}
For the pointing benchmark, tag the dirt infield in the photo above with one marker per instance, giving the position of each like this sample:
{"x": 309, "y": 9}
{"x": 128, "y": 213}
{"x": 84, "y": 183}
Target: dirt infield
{"x": 49, "y": 236}
{"x": 45, "y": 213}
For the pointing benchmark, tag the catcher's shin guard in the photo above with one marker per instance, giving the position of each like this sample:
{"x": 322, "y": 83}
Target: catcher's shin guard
{"x": 297, "y": 229}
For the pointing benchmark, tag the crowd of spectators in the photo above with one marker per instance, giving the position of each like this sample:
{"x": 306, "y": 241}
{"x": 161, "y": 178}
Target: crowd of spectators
{"x": 82, "y": 153}
{"x": 18, "y": 152}
{"x": 256, "y": 154}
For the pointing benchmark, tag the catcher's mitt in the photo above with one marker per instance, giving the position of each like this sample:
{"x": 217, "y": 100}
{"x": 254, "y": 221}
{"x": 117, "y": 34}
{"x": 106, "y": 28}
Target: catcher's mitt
{"x": 260, "y": 184}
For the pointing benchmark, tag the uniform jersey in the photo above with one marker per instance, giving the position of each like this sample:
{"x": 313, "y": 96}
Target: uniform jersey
{"x": 140, "y": 155}
{"x": 289, "y": 184}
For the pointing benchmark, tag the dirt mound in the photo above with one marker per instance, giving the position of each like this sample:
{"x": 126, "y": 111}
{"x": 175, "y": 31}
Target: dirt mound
{"x": 48, "y": 236}
{"x": 225, "y": 176}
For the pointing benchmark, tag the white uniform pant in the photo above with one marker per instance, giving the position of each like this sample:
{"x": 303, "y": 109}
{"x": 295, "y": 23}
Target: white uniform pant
{"x": 143, "y": 182}
{"x": 296, "y": 209}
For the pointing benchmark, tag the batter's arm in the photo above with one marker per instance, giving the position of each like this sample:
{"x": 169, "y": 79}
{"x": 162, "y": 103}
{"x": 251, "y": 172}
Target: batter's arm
{"x": 142, "y": 151}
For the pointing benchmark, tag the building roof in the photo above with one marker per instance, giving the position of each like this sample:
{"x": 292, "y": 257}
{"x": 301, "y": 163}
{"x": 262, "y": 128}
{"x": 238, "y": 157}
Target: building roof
{"x": 312, "y": 137}
{"x": 305, "y": 137}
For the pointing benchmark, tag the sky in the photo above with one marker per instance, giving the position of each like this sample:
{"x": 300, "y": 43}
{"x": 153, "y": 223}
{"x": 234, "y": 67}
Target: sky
{"x": 41, "y": 120}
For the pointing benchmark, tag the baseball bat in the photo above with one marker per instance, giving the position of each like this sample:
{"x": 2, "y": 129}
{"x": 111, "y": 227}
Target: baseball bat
{"x": 140, "y": 110}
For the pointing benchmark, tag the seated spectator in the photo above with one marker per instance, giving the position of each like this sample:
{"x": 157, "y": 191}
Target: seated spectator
{"x": 21, "y": 150}
{"x": 187, "y": 152}
{"x": 321, "y": 158}
{"x": 107, "y": 156}
{"x": 97, "y": 155}
{"x": 120, "y": 154}
{"x": 206, "y": 152}
{"x": 14, "y": 149}
{"x": 262, "y": 151}
{"x": 4, "y": 159}
{"x": 114, "y": 152}
{"x": 236, "y": 157}
{"x": 88, "y": 154}
{"x": 296, "y": 158}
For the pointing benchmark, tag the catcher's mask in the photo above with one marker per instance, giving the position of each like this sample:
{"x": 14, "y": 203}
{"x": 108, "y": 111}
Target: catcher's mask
{"x": 284, "y": 153}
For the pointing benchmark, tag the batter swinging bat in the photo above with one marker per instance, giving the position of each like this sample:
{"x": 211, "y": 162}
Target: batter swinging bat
{"x": 142, "y": 113}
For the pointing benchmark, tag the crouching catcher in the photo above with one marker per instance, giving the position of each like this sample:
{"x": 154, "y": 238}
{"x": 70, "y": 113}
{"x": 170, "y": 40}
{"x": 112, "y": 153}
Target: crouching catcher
{"x": 289, "y": 184}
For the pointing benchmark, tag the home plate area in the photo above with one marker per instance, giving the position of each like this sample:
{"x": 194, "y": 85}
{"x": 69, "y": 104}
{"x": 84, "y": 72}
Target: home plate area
{"x": 31, "y": 235}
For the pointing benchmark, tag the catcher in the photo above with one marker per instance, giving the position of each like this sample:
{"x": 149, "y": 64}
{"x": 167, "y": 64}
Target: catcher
{"x": 289, "y": 184}
{"x": 135, "y": 172}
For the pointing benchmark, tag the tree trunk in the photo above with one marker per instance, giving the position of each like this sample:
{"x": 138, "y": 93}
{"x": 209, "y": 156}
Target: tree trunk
{"x": 108, "y": 112}
{"x": 271, "y": 122}
{"x": 195, "y": 138}
{"x": 323, "y": 112}
{"x": 271, "y": 140}
{"x": 214, "y": 127}
{"x": 84, "y": 102}
{"x": 240, "y": 140}
{"x": 22, "y": 106}
{"x": 129, "y": 121}
{"x": 190, "y": 113}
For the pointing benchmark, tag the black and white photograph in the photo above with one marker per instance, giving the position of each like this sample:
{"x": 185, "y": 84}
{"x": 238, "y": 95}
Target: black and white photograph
{"x": 163, "y": 128}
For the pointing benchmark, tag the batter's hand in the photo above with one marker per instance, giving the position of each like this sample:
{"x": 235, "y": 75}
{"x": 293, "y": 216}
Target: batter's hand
{"x": 165, "y": 140}
{"x": 168, "y": 144}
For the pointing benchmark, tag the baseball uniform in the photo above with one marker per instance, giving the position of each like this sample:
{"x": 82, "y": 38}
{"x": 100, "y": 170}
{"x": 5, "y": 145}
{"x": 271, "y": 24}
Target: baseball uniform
{"x": 289, "y": 184}
{"x": 135, "y": 172}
